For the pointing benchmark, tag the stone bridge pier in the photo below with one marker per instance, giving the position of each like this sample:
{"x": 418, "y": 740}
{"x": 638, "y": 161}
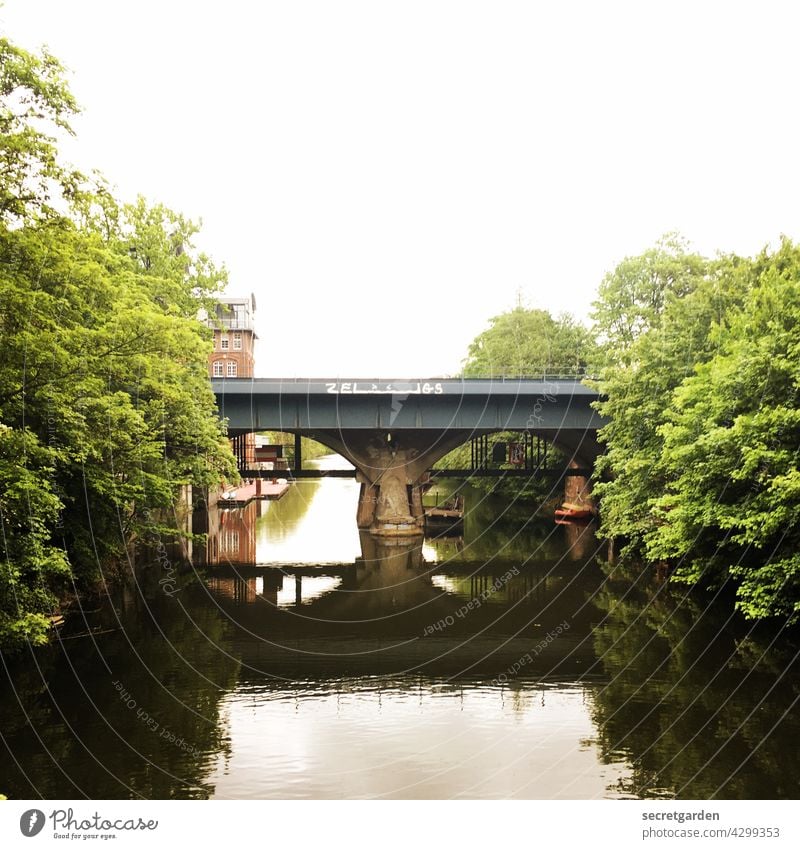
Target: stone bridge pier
{"x": 391, "y": 468}
{"x": 390, "y": 500}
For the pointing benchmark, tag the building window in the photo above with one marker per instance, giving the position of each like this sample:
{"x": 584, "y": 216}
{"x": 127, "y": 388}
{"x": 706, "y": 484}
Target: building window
{"x": 217, "y": 369}
{"x": 237, "y": 341}
{"x": 223, "y": 343}
{"x": 232, "y": 368}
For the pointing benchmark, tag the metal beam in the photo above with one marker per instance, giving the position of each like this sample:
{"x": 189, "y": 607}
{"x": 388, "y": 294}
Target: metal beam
{"x": 468, "y": 405}
{"x": 511, "y": 473}
{"x": 304, "y": 474}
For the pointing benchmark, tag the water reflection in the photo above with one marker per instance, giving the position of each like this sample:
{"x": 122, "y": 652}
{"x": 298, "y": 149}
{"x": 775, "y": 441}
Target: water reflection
{"x": 397, "y": 681}
{"x": 410, "y": 738}
{"x": 700, "y": 705}
{"x": 308, "y": 660}
{"x": 230, "y": 532}
{"x": 128, "y": 710}
{"x": 275, "y": 588}
{"x": 313, "y": 522}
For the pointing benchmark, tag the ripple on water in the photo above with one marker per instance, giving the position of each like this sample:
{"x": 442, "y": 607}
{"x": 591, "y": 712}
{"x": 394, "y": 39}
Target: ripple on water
{"x": 401, "y": 738}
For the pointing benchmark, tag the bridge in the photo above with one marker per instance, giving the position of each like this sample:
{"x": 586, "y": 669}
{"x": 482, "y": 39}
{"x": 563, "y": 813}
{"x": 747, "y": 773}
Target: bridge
{"x": 393, "y": 431}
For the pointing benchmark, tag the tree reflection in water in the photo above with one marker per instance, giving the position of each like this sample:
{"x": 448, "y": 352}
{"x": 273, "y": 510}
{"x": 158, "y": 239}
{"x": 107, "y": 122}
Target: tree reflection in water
{"x": 702, "y": 706}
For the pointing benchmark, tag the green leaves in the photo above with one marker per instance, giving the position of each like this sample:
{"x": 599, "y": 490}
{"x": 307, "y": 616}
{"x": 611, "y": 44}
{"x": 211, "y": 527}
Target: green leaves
{"x": 529, "y": 342}
{"x": 703, "y": 464}
{"x": 633, "y": 298}
{"x": 32, "y": 567}
{"x": 35, "y": 104}
{"x": 106, "y": 410}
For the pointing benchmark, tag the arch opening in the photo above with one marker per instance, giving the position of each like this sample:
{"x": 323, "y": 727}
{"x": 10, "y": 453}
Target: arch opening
{"x": 392, "y": 466}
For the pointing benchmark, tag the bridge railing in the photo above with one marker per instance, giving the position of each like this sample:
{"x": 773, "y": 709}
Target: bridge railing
{"x": 502, "y": 377}
{"x": 541, "y": 375}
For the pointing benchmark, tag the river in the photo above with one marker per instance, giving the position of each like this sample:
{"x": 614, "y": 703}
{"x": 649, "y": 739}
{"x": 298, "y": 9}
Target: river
{"x": 511, "y": 661}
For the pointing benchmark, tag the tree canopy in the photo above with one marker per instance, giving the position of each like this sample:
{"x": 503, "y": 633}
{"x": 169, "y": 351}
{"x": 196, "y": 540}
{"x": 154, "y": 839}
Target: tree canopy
{"x": 731, "y": 443}
{"x": 701, "y": 464}
{"x": 529, "y": 342}
{"x": 634, "y": 296}
{"x": 105, "y": 405}
{"x": 523, "y": 342}
{"x": 35, "y": 106}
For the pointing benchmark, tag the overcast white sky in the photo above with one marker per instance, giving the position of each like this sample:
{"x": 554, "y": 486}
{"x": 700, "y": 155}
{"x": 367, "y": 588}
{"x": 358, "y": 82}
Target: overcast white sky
{"x": 385, "y": 176}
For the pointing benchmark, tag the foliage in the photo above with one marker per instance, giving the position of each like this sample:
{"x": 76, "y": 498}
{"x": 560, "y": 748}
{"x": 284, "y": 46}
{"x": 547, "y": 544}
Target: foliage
{"x": 732, "y": 506}
{"x": 105, "y": 405}
{"x": 700, "y": 467}
{"x": 529, "y": 342}
{"x": 35, "y": 105}
{"x": 632, "y": 298}
{"x": 535, "y": 487}
{"x": 523, "y": 342}
{"x": 637, "y": 379}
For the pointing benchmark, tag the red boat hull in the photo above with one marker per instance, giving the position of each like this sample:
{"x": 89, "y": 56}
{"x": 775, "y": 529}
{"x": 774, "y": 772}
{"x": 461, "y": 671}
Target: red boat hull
{"x": 574, "y": 515}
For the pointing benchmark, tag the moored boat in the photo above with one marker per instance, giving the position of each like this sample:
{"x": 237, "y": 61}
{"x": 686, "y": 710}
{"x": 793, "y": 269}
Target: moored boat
{"x": 448, "y": 516}
{"x": 574, "y": 512}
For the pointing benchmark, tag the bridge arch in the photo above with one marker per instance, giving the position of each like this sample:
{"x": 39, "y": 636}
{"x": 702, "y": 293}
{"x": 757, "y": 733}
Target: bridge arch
{"x": 391, "y": 466}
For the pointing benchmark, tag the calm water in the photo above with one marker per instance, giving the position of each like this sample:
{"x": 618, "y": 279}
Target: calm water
{"x": 504, "y": 663}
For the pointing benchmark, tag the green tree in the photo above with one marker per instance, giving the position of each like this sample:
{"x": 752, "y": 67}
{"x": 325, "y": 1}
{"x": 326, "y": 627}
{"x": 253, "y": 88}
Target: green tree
{"x": 731, "y": 442}
{"x": 35, "y": 105}
{"x": 29, "y": 510}
{"x": 639, "y": 372}
{"x": 517, "y": 343}
{"x": 633, "y": 297}
{"x": 106, "y": 411}
{"x": 529, "y": 342}
{"x": 701, "y": 466}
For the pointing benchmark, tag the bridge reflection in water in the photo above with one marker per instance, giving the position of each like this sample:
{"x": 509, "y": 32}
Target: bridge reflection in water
{"x": 464, "y": 591}
{"x": 421, "y": 670}
{"x": 503, "y": 663}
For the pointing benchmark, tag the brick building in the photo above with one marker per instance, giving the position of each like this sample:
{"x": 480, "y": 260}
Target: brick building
{"x": 234, "y": 355}
{"x": 234, "y": 338}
